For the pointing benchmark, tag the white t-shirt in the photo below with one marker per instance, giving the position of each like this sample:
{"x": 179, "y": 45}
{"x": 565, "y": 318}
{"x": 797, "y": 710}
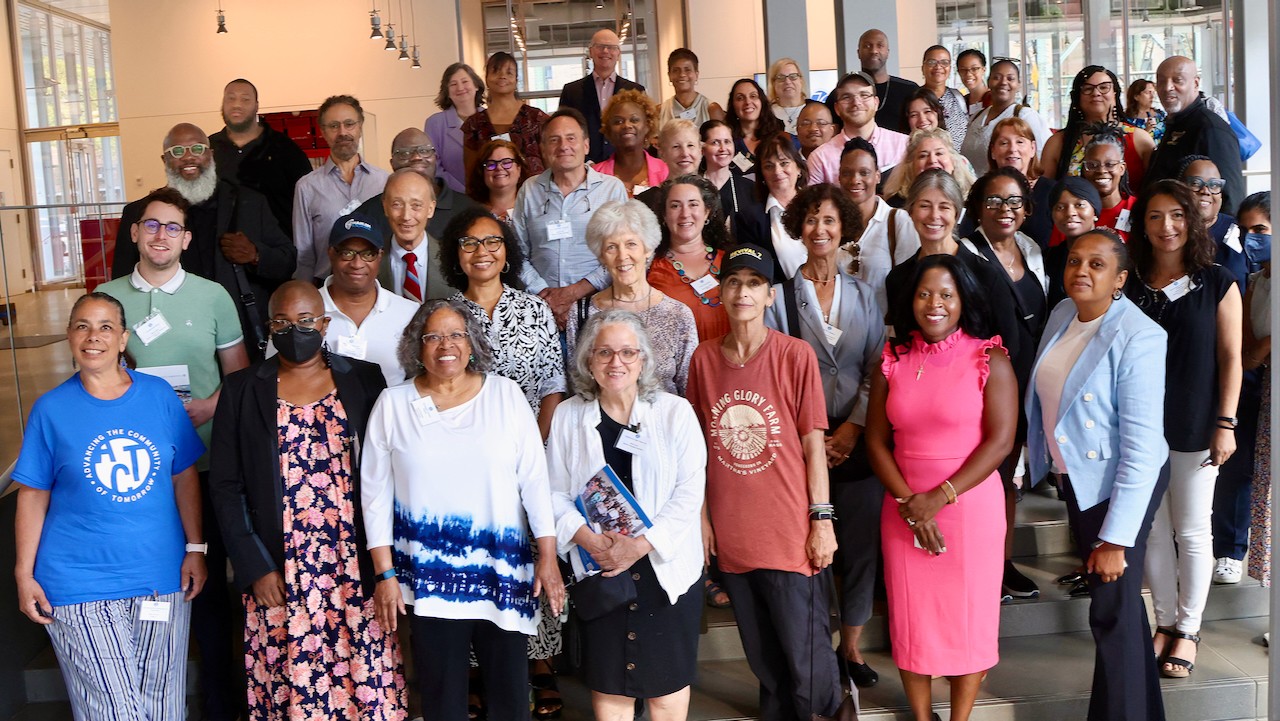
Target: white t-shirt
{"x": 1056, "y": 365}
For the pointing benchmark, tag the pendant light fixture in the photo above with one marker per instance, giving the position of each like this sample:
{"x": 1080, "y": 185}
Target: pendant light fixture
{"x": 375, "y": 22}
{"x": 222, "y": 20}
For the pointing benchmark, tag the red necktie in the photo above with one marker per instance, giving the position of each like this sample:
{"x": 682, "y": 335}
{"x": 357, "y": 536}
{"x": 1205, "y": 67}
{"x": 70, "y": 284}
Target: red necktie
{"x": 412, "y": 288}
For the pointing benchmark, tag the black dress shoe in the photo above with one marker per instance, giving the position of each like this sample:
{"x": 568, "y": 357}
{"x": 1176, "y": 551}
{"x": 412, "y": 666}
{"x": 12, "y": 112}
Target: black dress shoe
{"x": 1070, "y": 579}
{"x": 1018, "y": 585}
{"x": 863, "y": 676}
{"x": 1080, "y": 590}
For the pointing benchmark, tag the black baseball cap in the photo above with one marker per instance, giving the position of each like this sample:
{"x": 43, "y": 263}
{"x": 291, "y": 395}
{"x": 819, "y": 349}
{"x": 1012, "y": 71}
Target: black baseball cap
{"x": 355, "y": 225}
{"x": 752, "y": 257}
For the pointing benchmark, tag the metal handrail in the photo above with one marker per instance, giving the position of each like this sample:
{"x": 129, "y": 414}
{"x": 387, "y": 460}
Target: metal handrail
{"x": 6, "y": 479}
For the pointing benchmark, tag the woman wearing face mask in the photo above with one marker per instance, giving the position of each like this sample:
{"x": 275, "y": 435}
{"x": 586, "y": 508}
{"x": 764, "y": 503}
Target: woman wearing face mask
{"x": 1255, "y": 218}
{"x": 1013, "y": 145}
{"x": 1005, "y": 83}
{"x": 936, "y": 69}
{"x": 1100, "y": 375}
{"x": 285, "y": 481}
{"x": 1095, "y": 100}
{"x": 1202, "y": 176}
{"x": 926, "y": 150}
{"x": 1177, "y": 284}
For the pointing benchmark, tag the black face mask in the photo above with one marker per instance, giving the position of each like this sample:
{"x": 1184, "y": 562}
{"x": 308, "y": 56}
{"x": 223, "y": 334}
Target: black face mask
{"x": 296, "y": 345}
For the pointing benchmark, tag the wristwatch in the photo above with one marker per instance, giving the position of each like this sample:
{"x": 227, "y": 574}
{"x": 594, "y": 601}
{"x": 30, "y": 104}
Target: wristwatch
{"x": 821, "y": 516}
{"x": 201, "y": 548}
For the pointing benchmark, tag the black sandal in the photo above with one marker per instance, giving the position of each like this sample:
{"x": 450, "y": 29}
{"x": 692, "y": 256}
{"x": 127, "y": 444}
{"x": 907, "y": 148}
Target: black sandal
{"x": 546, "y": 707}
{"x": 1182, "y": 668}
{"x": 1172, "y": 633}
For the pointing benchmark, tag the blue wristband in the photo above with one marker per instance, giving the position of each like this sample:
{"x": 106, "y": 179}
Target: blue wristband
{"x": 387, "y": 574}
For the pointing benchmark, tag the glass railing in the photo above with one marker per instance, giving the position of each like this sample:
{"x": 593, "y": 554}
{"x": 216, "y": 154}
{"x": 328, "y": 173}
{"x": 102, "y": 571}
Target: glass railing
{"x": 78, "y": 238}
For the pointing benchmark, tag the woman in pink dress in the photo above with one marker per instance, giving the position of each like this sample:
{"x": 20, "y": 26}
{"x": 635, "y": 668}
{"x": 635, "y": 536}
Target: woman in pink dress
{"x": 942, "y": 524}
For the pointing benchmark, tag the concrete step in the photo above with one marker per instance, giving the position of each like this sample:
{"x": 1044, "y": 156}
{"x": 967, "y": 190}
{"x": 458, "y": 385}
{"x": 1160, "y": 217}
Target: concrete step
{"x": 1038, "y": 677}
{"x": 44, "y": 683}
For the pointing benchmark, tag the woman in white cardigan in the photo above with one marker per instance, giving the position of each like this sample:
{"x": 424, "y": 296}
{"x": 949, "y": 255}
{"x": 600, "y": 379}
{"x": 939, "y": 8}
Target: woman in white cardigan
{"x": 647, "y": 645}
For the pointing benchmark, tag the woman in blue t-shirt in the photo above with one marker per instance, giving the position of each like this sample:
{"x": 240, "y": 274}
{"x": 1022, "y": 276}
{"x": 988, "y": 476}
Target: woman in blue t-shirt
{"x": 109, "y": 541}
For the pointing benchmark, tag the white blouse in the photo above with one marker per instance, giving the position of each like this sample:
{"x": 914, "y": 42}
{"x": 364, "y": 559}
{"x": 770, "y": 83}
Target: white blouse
{"x": 669, "y": 478}
{"x": 455, "y": 493}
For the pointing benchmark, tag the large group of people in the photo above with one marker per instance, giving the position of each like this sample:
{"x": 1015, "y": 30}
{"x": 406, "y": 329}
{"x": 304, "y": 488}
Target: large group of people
{"x": 632, "y": 358}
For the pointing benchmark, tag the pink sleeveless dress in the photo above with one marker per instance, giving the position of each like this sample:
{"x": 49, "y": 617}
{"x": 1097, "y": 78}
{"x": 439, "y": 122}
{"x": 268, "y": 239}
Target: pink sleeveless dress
{"x": 944, "y": 610}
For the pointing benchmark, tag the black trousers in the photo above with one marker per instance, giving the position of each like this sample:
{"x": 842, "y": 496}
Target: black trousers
{"x": 1126, "y": 680}
{"x": 217, "y": 627}
{"x": 1232, "y": 492}
{"x": 785, "y": 625}
{"x": 857, "y": 559}
{"x": 440, "y": 648}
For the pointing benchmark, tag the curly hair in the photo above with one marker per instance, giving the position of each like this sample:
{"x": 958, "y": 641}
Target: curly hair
{"x": 580, "y": 376}
{"x": 768, "y": 125}
{"x": 449, "y": 254}
{"x": 714, "y": 234}
{"x": 637, "y": 98}
{"x": 619, "y": 216}
{"x": 1110, "y": 135}
{"x": 409, "y": 350}
{"x": 1199, "y": 250}
{"x": 807, "y": 202}
{"x": 905, "y": 173}
{"x": 782, "y": 147}
{"x": 1022, "y": 129}
{"x": 477, "y": 190}
{"x": 977, "y": 199}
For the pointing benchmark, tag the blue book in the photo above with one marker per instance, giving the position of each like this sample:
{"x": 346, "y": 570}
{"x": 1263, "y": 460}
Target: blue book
{"x": 608, "y": 506}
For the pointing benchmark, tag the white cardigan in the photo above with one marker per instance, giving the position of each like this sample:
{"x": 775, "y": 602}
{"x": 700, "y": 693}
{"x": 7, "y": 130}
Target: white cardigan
{"x": 669, "y": 478}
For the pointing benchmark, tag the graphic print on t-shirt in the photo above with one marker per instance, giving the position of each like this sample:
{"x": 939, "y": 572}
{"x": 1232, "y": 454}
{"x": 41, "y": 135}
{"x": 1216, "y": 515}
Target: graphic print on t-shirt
{"x": 743, "y": 425}
{"x": 122, "y": 465}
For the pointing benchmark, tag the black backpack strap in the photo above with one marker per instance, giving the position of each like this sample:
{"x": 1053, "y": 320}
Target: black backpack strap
{"x": 793, "y": 308}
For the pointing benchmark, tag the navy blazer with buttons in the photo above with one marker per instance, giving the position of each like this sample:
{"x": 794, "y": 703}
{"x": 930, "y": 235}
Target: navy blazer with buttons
{"x": 581, "y": 96}
{"x": 1110, "y": 424}
{"x": 244, "y": 476}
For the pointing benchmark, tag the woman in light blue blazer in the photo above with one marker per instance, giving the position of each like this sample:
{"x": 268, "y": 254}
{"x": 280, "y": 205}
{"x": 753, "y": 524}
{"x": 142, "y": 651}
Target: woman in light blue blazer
{"x": 1095, "y": 410}
{"x": 838, "y": 315}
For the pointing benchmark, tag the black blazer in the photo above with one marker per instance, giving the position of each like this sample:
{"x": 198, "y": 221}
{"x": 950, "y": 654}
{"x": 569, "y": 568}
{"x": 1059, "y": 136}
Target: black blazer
{"x": 581, "y": 96}
{"x": 752, "y": 225}
{"x": 244, "y": 475}
{"x": 272, "y": 165}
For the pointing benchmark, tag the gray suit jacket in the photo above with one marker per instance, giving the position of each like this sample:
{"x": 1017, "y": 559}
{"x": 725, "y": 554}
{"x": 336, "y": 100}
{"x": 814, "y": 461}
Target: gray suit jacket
{"x": 436, "y": 286}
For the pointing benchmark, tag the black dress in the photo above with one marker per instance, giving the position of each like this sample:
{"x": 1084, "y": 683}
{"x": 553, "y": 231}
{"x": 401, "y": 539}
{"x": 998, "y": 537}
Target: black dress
{"x": 649, "y": 648}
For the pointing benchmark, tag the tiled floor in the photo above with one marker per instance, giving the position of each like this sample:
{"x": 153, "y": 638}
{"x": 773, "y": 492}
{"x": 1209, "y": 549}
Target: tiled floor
{"x": 29, "y": 372}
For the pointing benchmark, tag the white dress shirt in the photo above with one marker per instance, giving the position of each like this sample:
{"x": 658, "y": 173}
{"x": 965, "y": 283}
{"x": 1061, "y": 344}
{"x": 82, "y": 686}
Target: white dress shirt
{"x": 397, "y": 264}
{"x": 374, "y": 340}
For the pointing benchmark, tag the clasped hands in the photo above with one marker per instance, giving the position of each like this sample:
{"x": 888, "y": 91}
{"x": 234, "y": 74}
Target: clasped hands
{"x": 614, "y": 552}
{"x": 918, "y": 511}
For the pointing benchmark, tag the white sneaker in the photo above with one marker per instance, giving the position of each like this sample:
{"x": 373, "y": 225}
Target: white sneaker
{"x": 1228, "y": 570}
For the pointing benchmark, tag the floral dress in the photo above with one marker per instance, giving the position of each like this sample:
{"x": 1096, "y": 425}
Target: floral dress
{"x": 322, "y": 655}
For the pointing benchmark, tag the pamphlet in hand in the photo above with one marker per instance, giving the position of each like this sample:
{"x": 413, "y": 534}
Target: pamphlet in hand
{"x": 608, "y": 506}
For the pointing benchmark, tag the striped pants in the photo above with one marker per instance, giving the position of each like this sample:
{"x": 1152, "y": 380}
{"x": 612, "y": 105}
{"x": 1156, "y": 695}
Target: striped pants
{"x": 119, "y": 667}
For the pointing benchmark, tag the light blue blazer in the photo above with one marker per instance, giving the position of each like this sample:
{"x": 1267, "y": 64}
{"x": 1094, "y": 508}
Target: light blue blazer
{"x": 1110, "y": 425}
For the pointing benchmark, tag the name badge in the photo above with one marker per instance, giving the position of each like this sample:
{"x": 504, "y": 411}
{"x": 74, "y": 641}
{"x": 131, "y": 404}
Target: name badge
{"x": 704, "y": 284}
{"x": 1122, "y": 221}
{"x": 689, "y": 114}
{"x": 503, "y": 136}
{"x": 151, "y": 327}
{"x": 559, "y": 230}
{"x": 1232, "y": 239}
{"x": 638, "y": 189}
{"x": 630, "y": 441}
{"x": 424, "y": 409}
{"x": 743, "y": 163}
{"x": 157, "y": 611}
{"x": 352, "y": 346}
{"x": 832, "y": 333}
{"x": 1177, "y": 288}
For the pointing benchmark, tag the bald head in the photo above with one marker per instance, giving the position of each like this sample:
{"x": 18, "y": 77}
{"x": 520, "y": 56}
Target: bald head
{"x": 873, "y": 53}
{"x": 604, "y": 51}
{"x": 409, "y": 200}
{"x": 184, "y": 134}
{"x": 295, "y": 296}
{"x": 1177, "y": 83}
{"x": 412, "y": 149}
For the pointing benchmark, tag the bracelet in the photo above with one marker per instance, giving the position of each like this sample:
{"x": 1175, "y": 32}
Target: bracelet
{"x": 822, "y": 515}
{"x": 202, "y": 548}
{"x": 1226, "y": 427}
{"x": 387, "y": 574}
{"x": 821, "y": 507}
{"x": 953, "y": 497}
{"x": 1233, "y": 422}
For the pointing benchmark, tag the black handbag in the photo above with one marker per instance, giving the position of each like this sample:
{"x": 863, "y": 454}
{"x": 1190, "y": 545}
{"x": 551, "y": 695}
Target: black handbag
{"x": 599, "y": 595}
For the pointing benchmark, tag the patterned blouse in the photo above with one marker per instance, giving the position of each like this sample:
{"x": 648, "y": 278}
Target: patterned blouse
{"x": 526, "y": 344}
{"x": 673, "y": 334}
{"x": 525, "y": 132}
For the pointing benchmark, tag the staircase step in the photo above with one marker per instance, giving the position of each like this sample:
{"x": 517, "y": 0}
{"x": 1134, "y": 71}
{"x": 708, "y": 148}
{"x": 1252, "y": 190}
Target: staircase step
{"x": 1039, "y": 677}
{"x": 44, "y": 684}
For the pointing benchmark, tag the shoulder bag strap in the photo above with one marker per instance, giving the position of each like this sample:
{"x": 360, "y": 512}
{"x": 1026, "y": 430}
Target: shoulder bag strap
{"x": 247, "y": 299}
{"x": 793, "y": 308}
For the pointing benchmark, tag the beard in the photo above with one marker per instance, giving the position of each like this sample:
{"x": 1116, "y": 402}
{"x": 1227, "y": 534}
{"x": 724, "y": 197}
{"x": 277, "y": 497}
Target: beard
{"x": 195, "y": 191}
{"x": 244, "y": 127}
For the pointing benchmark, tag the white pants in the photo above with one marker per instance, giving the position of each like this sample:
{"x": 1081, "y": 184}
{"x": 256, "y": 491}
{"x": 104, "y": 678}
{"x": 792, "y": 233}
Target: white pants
{"x": 1179, "y": 578}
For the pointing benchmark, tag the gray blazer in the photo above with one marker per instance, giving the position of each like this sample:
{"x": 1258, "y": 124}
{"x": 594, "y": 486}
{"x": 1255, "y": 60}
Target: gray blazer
{"x": 846, "y": 367}
{"x": 436, "y": 288}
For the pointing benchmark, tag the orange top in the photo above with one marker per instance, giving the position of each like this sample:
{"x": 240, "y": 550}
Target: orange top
{"x": 709, "y": 317}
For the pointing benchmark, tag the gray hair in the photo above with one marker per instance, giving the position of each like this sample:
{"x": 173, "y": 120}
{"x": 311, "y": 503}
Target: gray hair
{"x": 409, "y": 351}
{"x": 941, "y": 181}
{"x": 580, "y": 364}
{"x": 616, "y": 217}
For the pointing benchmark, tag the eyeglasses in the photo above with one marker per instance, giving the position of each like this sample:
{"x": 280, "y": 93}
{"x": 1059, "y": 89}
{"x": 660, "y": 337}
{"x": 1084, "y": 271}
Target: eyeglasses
{"x": 995, "y": 202}
{"x": 1103, "y": 88}
{"x": 1212, "y": 186}
{"x": 426, "y": 151}
{"x": 368, "y": 255}
{"x": 178, "y": 151}
{"x": 792, "y": 77}
{"x": 492, "y": 165}
{"x": 336, "y": 125}
{"x": 936, "y": 63}
{"x": 626, "y": 355}
{"x": 306, "y": 325}
{"x": 436, "y": 339}
{"x": 609, "y": 48}
{"x": 970, "y": 70}
{"x": 1094, "y": 166}
{"x": 153, "y": 226}
{"x": 806, "y": 123}
{"x": 471, "y": 244}
{"x": 863, "y": 97}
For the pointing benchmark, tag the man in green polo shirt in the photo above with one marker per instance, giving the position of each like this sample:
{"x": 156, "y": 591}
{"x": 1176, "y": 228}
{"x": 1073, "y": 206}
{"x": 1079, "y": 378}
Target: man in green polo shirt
{"x": 186, "y": 330}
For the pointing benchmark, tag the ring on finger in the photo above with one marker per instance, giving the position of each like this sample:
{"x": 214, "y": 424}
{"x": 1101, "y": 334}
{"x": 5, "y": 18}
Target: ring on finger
{"x": 911, "y": 521}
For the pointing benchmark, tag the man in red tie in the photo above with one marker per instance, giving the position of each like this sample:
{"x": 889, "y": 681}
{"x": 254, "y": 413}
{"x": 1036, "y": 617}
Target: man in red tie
{"x": 413, "y": 271}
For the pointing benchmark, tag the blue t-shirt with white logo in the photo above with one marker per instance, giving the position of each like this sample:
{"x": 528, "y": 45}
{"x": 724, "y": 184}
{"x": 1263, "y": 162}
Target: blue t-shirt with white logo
{"x": 112, "y": 530}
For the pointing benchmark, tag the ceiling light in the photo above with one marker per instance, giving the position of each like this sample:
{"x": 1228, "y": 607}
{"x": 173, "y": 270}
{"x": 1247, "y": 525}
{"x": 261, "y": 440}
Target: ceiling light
{"x": 376, "y": 23}
{"x": 391, "y": 37}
